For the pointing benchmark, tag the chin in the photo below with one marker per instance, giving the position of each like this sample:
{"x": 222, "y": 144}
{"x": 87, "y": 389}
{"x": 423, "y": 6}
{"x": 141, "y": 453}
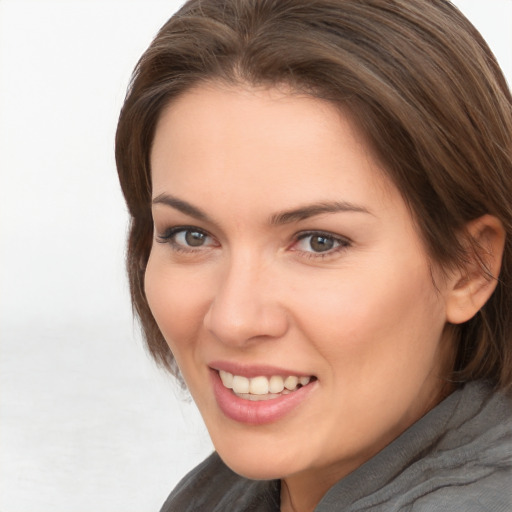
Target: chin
{"x": 263, "y": 457}
{"x": 254, "y": 457}
{"x": 261, "y": 467}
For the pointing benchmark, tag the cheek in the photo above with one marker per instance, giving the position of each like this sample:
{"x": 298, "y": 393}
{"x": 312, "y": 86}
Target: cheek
{"x": 177, "y": 301}
{"x": 369, "y": 321}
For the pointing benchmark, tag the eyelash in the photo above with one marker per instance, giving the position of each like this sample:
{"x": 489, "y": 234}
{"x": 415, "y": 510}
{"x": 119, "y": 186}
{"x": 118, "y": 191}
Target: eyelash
{"x": 343, "y": 243}
{"x": 168, "y": 237}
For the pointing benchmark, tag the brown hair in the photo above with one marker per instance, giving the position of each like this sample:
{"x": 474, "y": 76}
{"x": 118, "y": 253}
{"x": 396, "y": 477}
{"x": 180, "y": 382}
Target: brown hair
{"x": 416, "y": 76}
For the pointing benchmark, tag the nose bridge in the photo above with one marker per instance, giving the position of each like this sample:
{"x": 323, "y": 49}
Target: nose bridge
{"x": 245, "y": 306}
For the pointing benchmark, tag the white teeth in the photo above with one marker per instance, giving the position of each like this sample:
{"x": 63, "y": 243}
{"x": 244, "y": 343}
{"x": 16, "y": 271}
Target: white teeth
{"x": 259, "y": 386}
{"x": 240, "y": 384}
{"x": 276, "y": 384}
{"x": 262, "y": 386}
{"x": 304, "y": 381}
{"x": 226, "y": 378}
{"x": 291, "y": 382}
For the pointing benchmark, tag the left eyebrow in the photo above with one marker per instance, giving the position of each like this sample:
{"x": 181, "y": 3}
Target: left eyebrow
{"x": 305, "y": 212}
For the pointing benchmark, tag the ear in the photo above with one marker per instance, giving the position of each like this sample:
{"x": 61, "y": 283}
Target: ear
{"x": 472, "y": 284}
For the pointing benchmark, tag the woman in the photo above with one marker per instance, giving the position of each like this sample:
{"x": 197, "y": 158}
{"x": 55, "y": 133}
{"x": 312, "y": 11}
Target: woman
{"x": 321, "y": 248}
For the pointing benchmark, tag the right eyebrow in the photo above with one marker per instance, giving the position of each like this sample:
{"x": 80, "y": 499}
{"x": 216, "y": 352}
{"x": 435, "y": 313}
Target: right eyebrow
{"x": 182, "y": 206}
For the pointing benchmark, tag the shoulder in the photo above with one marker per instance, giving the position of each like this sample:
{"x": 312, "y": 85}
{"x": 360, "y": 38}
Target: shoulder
{"x": 472, "y": 464}
{"x": 214, "y": 487}
{"x": 469, "y": 468}
{"x": 457, "y": 458}
{"x": 492, "y": 493}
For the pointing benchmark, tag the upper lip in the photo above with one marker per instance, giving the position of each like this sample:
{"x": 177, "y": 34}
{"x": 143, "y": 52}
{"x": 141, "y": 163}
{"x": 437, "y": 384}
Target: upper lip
{"x": 255, "y": 370}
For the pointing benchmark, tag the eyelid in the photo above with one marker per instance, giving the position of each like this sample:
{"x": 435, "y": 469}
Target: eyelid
{"x": 168, "y": 233}
{"x": 326, "y": 234}
{"x": 321, "y": 232}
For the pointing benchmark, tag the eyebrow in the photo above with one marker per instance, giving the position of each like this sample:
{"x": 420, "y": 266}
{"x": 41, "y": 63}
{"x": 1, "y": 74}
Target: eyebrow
{"x": 182, "y": 206}
{"x": 305, "y": 212}
{"x": 284, "y": 217}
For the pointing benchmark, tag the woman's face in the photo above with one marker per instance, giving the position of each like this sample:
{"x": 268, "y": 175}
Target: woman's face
{"x": 283, "y": 256}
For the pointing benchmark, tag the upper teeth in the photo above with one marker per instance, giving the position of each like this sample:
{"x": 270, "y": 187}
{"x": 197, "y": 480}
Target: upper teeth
{"x": 261, "y": 385}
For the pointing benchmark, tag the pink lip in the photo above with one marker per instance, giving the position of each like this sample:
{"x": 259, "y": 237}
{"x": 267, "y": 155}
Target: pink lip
{"x": 257, "y": 413}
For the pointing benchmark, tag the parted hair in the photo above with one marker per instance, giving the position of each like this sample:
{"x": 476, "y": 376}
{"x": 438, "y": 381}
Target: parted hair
{"x": 417, "y": 78}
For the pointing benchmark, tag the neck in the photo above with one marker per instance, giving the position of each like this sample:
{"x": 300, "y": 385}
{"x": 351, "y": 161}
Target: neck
{"x": 303, "y": 492}
{"x": 296, "y": 504}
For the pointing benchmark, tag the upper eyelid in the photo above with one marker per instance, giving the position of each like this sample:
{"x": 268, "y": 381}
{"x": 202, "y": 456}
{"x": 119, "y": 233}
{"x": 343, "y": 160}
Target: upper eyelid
{"x": 327, "y": 234}
{"x": 171, "y": 231}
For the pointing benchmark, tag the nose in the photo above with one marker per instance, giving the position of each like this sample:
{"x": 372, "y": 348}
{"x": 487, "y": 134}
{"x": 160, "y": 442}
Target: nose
{"x": 246, "y": 308}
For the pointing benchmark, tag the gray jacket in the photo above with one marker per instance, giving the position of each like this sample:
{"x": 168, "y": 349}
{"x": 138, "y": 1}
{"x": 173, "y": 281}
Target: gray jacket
{"x": 457, "y": 458}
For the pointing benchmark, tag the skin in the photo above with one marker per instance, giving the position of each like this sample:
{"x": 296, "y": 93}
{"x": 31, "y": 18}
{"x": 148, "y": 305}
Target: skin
{"x": 363, "y": 317}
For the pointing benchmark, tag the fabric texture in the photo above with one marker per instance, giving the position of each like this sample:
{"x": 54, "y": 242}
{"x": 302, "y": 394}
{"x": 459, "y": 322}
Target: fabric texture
{"x": 457, "y": 458}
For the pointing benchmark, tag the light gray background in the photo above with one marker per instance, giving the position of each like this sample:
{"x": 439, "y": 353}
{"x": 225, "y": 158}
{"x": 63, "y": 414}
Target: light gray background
{"x": 86, "y": 420}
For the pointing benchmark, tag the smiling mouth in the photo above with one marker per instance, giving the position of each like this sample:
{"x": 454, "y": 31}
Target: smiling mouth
{"x": 263, "y": 388}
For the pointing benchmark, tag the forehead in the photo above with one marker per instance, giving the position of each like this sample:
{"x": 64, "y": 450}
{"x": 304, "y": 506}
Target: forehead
{"x": 252, "y": 145}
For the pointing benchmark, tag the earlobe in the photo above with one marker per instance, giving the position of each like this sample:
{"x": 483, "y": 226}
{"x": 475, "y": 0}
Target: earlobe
{"x": 473, "y": 283}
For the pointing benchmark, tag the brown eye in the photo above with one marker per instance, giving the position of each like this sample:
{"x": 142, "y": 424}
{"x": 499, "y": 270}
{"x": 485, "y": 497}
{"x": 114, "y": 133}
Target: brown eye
{"x": 183, "y": 238}
{"x": 195, "y": 238}
{"x": 320, "y": 243}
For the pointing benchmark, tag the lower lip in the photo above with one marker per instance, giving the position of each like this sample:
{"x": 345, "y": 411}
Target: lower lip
{"x": 261, "y": 412}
